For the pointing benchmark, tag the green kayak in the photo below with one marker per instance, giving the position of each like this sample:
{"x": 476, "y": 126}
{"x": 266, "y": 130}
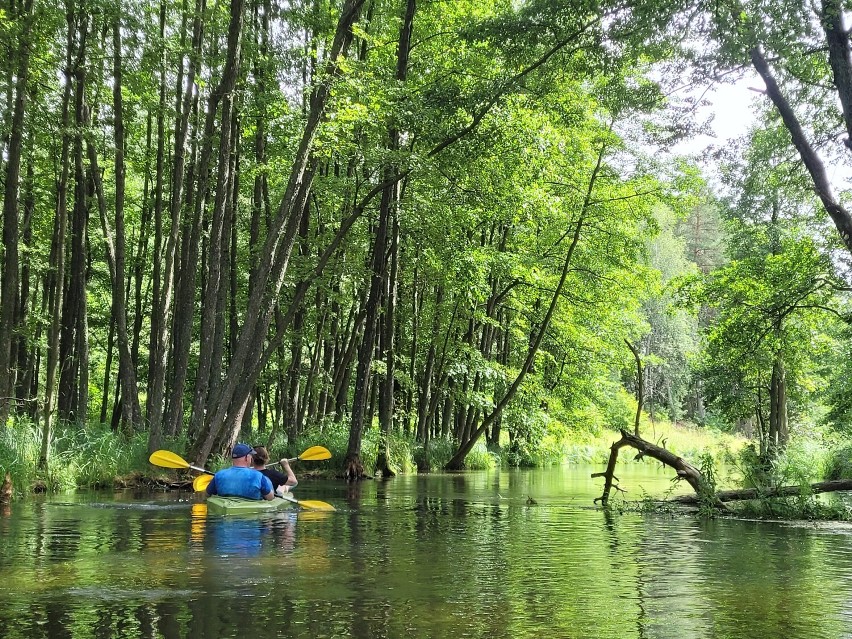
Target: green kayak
{"x": 218, "y": 505}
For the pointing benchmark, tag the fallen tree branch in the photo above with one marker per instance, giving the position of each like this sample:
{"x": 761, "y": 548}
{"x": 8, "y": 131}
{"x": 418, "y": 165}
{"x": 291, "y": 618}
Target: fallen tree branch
{"x": 684, "y": 469}
{"x": 758, "y": 493}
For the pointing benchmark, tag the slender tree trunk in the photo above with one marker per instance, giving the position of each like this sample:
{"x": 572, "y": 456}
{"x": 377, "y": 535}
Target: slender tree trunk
{"x": 640, "y": 385}
{"x": 835, "y": 209}
{"x": 424, "y": 398}
{"x": 392, "y": 201}
{"x": 110, "y": 347}
{"x": 73, "y": 342}
{"x": 839, "y": 57}
{"x": 210, "y": 315}
{"x": 27, "y": 355}
{"x": 9, "y": 284}
{"x": 116, "y": 245}
{"x": 294, "y": 397}
{"x": 56, "y": 303}
{"x": 153, "y": 403}
{"x": 778, "y": 430}
{"x": 141, "y": 248}
{"x": 186, "y": 294}
{"x": 353, "y": 468}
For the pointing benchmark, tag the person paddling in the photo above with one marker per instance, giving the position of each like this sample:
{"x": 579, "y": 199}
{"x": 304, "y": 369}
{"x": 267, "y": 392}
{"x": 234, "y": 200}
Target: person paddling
{"x": 241, "y": 480}
{"x": 281, "y": 482}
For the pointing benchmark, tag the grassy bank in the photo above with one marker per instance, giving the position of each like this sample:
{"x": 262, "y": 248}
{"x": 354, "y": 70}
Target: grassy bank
{"x": 94, "y": 457}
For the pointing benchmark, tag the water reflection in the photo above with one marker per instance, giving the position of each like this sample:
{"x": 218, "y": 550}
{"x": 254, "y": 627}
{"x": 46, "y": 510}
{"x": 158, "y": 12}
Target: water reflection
{"x": 422, "y": 556}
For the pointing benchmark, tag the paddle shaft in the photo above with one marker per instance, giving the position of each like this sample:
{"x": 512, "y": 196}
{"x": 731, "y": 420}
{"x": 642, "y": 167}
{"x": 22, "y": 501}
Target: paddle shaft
{"x": 278, "y": 463}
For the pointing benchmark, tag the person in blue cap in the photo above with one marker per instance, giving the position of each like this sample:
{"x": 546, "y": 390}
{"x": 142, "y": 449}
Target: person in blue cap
{"x": 241, "y": 480}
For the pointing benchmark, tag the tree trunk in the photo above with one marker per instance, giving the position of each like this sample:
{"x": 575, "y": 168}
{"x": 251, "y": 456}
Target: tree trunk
{"x": 186, "y": 287}
{"x": 27, "y": 355}
{"x": 778, "y": 430}
{"x": 835, "y": 209}
{"x": 275, "y": 255}
{"x": 640, "y": 385}
{"x": 213, "y": 273}
{"x": 353, "y": 468}
{"x": 153, "y": 402}
{"x": 9, "y": 284}
{"x": 762, "y": 493}
{"x": 164, "y": 294}
{"x": 72, "y": 347}
{"x": 56, "y": 303}
{"x": 295, "y": 398}
{"x": 116, "y": 246}
{"x": 839, "y": 57}
{"x": 392, "y": 201}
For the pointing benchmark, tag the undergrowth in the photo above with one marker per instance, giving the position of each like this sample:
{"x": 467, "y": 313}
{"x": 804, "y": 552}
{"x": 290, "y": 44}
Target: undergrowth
{"x": 93, "y": 456}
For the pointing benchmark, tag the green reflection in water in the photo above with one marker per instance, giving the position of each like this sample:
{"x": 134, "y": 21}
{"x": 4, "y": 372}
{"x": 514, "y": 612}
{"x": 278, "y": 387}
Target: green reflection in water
{"x": 441, "y": 556}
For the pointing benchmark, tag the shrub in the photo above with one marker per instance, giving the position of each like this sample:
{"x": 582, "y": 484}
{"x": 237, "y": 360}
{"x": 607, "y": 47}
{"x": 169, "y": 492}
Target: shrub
{"x": 839, "y": 463}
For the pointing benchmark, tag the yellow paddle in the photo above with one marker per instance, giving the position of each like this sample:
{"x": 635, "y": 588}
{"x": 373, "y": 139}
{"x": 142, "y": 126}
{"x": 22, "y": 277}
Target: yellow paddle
{"x": 314, "y": 453}
{"x": 168, "y": 459}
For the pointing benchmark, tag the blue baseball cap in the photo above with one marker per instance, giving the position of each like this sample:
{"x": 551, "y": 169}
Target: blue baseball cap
{"x": 241, "y": 450}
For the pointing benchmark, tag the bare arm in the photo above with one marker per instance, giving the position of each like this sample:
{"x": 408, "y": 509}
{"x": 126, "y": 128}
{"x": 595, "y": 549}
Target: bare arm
{"x": 291, "y": 477}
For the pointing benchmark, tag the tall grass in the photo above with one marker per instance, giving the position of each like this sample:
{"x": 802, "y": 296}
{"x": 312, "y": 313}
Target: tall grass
{"x": 93, "y": 456}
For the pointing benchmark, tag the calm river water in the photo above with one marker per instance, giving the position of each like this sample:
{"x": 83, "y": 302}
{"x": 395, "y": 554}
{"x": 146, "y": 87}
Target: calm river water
{"x": 439, "y": 556}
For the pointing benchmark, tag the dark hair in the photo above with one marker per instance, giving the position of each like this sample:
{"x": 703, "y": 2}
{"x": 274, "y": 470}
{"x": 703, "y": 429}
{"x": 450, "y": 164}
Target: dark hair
{"x": 261, "y": 456}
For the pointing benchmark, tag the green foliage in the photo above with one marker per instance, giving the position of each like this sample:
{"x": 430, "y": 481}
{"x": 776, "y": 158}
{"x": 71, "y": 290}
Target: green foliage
{"x": 480, "y": 458}
{"x": 803, "y": 462}
{"x": 440, "y": 452}
{"x": 768, "y": 306}
{"x": 332, "y": 434}
{"x": 802, "y": 507}
{"x": 839, "y": 463}
{"x": 837, "y": 373}
{"x": 619, "y": 410}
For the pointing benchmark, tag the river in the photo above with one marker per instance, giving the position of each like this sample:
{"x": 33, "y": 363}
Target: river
{"x": 437, "y": 556}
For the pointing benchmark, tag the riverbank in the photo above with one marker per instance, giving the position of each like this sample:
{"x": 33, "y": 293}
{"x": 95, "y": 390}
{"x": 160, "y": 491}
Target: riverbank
{"x": 97, "y": 458}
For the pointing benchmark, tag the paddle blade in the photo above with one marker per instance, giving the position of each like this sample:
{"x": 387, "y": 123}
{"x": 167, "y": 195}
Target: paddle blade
{"x": 167, "y": 459}
{"x": 315, "y": 453}
{"x": 200, "y": 483}
{"x": 308, "y": 504}
{"x": 315, "y": 504}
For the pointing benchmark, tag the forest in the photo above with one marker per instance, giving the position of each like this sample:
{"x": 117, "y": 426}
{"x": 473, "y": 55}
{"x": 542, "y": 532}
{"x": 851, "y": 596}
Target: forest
{"x": 454, "y": 229}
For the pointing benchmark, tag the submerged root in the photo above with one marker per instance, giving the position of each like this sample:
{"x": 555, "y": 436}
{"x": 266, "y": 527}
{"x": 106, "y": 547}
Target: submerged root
{"x": 354, "y": 470}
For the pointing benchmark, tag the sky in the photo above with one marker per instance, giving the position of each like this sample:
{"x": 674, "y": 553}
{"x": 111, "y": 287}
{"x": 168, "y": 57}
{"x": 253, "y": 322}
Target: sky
{"x": 732, "y": 107}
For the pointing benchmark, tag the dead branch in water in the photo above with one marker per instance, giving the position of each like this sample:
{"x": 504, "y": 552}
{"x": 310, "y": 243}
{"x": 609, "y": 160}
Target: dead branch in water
{"x": 779, "y": 491}
{"x": 684, "y": 469}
